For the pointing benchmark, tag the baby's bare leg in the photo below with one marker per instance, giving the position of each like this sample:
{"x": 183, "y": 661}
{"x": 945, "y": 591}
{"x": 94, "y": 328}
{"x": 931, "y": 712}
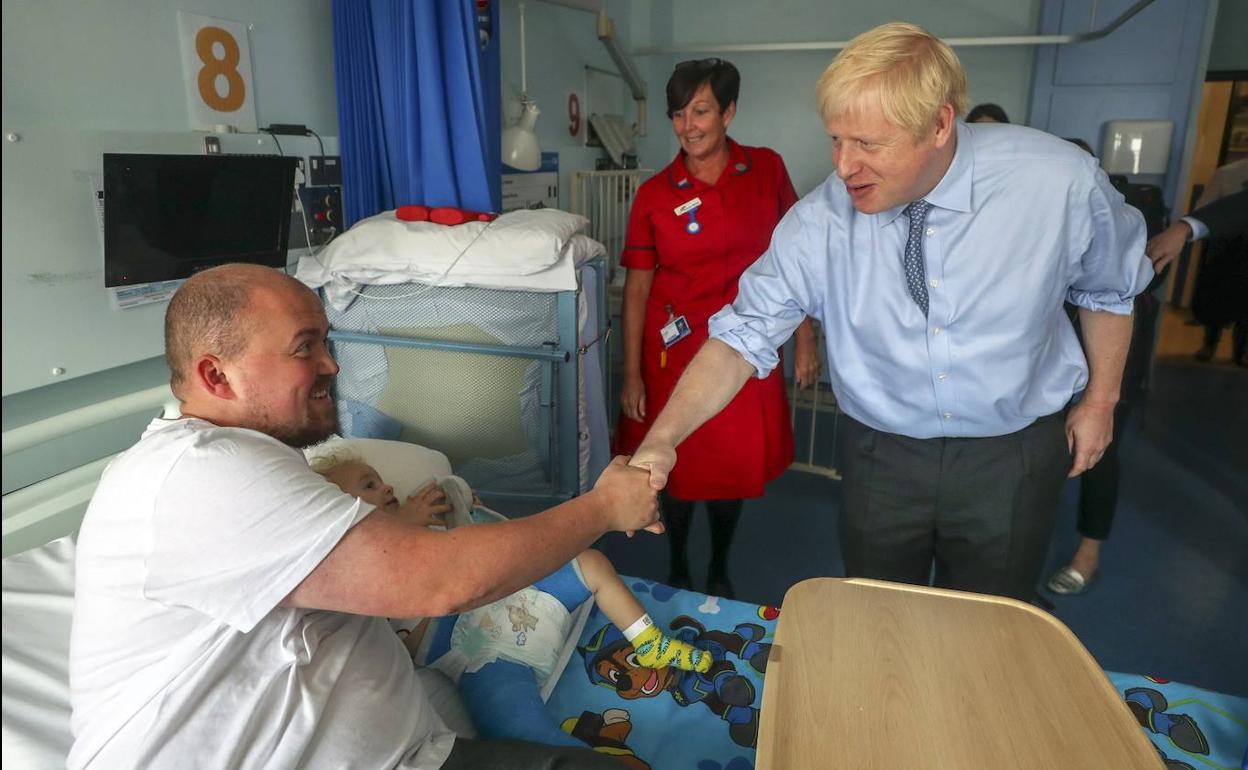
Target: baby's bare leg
{"x": 620, "y": 605}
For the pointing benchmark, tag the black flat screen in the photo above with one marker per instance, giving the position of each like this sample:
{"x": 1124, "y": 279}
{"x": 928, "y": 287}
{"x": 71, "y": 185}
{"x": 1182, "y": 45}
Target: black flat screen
{"x": 168, "y": 216}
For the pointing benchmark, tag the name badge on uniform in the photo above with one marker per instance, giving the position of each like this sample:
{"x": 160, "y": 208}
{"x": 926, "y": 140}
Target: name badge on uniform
{"x": 674, "y": 331}
{"x": 690, "y": 207}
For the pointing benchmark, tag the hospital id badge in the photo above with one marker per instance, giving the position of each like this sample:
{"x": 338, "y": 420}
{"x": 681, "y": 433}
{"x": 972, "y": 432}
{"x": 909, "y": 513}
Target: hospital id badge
{"x": 674, "y": 331}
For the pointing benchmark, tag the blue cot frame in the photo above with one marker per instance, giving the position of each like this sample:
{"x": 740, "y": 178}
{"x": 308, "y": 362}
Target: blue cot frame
{"x": 561, "y": 364}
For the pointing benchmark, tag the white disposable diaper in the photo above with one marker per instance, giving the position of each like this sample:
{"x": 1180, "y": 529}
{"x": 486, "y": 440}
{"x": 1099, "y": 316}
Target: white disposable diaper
{"x": 529, "y": 627}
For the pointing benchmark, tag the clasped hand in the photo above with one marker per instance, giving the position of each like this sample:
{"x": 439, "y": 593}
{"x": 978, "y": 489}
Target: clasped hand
{"x": 630, "y": 502}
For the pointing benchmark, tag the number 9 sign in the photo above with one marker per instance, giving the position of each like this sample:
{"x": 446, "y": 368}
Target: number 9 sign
{"x": 216, "y": 64}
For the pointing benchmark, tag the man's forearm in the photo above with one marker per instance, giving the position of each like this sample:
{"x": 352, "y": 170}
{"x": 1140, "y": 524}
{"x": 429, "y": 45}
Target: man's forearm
{"x": 510, "y": 555}
{"x": 1106, "y": 339}
{"x": 710, "y": 382}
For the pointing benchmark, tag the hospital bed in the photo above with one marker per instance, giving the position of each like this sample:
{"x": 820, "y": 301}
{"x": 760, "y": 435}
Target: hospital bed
{"x": 649, "y": 723}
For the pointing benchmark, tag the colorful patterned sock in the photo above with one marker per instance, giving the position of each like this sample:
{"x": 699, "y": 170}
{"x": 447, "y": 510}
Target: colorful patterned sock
{"x": 655, "y": 650}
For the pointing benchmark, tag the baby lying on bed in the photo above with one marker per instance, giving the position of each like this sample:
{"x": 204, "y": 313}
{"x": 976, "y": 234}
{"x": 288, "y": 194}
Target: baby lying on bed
{"x": 513, "y": 641}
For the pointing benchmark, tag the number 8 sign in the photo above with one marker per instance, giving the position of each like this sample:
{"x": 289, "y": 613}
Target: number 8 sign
{"x": 216, "y": 64}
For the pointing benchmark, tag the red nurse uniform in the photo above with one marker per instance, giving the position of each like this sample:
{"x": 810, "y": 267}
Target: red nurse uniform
{"x": 698, "y": 257}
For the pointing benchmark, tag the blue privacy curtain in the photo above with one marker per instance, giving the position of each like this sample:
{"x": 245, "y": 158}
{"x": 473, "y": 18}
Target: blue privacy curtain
{"x": 418, "y": 104}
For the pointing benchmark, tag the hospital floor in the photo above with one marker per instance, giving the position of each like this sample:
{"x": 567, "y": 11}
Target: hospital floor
{"x": 1171, "y": 599}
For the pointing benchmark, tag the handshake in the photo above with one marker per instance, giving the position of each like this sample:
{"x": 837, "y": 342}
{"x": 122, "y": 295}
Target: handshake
{"x": 628, "y": 489}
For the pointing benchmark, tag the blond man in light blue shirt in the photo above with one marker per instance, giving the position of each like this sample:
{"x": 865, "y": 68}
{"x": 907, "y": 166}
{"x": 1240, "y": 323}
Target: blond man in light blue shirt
{"x": 937, "y": 259}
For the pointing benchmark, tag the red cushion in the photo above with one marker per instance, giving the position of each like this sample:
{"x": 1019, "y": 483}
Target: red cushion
{"x": 412, "y": 213}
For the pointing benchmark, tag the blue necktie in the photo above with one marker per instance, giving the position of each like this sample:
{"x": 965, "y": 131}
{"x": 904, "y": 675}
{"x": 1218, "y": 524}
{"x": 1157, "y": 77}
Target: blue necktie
{"x": 916, "y": 270}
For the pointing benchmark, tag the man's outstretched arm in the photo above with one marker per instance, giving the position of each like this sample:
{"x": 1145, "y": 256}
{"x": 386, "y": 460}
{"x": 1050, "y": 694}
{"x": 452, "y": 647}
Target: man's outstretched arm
{"x": 710, "y": 382}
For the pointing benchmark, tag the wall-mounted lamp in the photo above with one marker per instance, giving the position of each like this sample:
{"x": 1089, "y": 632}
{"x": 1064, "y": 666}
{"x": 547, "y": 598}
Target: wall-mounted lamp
{"x": 1136, "y": 146}
{"x": 520, "y": 147}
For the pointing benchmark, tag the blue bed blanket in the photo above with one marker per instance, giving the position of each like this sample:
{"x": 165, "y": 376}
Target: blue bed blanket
{"x": 1191, "y": 728}
{"x": 671, "y": 718}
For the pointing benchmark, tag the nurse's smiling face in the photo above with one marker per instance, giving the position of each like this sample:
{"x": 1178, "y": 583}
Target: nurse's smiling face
{"x": 701, "y": 126}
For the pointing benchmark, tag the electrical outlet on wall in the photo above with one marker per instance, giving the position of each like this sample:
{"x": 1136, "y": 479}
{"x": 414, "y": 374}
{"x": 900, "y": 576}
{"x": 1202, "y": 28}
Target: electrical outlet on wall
{"x": 322, "y": 208}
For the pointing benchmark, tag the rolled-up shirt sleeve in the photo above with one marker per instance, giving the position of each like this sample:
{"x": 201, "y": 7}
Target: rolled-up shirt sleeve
{"x": 774, "y": 294}
{"x": 1113, "y": 268}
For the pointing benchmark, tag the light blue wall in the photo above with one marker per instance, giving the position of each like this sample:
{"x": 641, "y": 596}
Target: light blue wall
{"x": 1230, "y": 37}
{"x": 80, "y": 77}
{"x": 776, "y": 106}
{"x": 1150, "y": 68}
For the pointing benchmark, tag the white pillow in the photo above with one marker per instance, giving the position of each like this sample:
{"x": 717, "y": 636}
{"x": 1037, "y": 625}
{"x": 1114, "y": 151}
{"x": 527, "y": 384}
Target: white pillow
{"x": 517, "y": 243}
{"x": 404, "y": 466}
{"x": 38, "y": 609}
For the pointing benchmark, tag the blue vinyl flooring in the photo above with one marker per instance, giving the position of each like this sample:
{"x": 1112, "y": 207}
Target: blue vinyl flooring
{"x": 1171, "y": 599}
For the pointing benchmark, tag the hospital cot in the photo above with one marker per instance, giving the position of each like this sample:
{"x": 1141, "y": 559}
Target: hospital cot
{"x": 484, "y": 340}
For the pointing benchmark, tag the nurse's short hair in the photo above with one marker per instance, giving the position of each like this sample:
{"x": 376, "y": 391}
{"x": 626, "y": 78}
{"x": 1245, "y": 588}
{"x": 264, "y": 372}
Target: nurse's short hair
{"x": 993, "y": 112}
{"x": 911, "y": 72}
{"x": 688, "y": 77}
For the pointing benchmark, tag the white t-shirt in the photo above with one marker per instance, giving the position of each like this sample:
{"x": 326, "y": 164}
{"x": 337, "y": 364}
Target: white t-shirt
{"x": 180, "y": 655}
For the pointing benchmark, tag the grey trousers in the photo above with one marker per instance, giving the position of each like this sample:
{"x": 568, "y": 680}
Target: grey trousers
{"x": 980, "y": 510}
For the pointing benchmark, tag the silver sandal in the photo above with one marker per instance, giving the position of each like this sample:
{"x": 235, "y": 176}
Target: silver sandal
{"x": 1067, "y": 581}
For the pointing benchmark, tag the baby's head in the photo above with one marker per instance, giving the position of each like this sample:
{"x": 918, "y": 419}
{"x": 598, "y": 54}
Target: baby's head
{"x": 355, "y": 477}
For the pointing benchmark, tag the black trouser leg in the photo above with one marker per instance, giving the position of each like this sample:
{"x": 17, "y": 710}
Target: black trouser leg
{"x": 1213, "y": 335}
{"x": 1098, "y": 496}
{"x": 676, "y": 517}
{"x": 1239, "y": 342}
{"x": 724, "y": 515}
{"x": 1098, "y": 488}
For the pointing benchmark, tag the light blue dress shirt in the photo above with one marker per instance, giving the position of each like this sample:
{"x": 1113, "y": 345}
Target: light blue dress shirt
{"x": 1021, "y": 222}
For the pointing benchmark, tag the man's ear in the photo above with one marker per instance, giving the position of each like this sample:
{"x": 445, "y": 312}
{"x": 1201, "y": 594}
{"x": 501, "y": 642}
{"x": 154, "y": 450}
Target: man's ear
{"x": 211, "y": 377}
{"x": 946, "y": 125}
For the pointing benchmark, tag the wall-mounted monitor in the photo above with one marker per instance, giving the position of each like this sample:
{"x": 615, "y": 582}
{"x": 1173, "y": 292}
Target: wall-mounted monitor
{"x": 169, "y": 216}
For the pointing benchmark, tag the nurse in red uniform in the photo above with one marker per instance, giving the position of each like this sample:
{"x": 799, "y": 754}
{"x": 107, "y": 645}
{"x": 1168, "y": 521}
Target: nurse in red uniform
{"x": 694, "y": 229}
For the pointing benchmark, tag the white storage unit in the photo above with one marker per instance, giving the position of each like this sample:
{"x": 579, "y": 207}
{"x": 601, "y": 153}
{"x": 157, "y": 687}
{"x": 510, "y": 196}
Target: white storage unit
{"x": 532, "y": 189}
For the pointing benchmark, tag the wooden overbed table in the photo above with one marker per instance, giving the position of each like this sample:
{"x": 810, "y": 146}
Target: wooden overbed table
{"x": 870, "y": 674}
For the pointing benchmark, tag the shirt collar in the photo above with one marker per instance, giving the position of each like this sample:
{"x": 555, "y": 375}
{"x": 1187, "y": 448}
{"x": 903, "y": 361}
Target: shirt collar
{"x": 739, "y": 163}
{"x": 953, "y": 191}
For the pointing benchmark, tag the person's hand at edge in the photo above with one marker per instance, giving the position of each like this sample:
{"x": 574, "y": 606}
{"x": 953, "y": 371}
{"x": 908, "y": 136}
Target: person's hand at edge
{"x": 633, "y": 398}
{"x": 805, "y": 359}
{"x": 1164, "y": 247}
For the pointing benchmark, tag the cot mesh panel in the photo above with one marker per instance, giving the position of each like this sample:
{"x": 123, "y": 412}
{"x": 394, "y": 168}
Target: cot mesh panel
{"x": 489, "y": 414}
